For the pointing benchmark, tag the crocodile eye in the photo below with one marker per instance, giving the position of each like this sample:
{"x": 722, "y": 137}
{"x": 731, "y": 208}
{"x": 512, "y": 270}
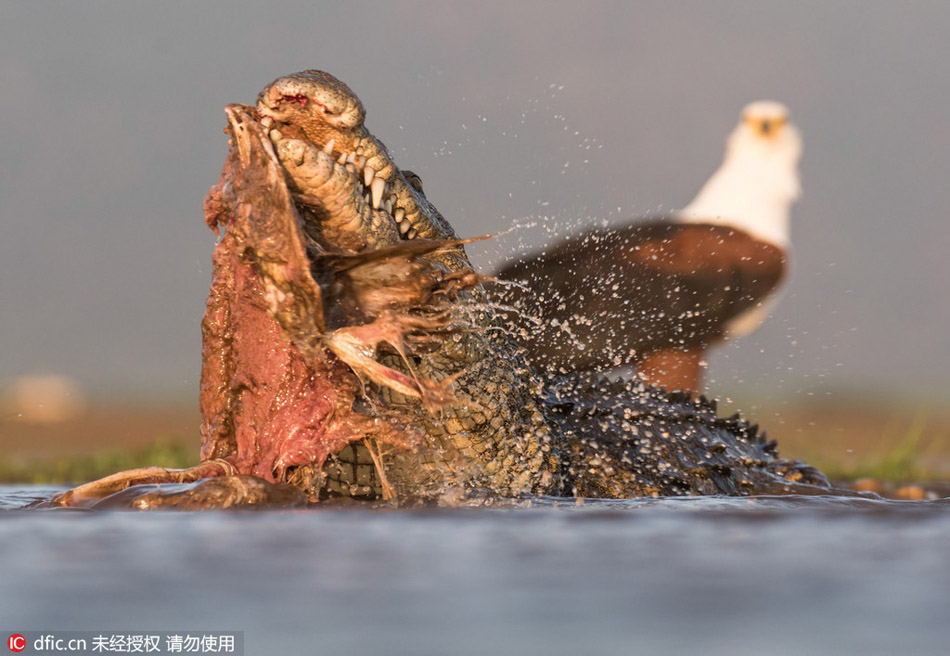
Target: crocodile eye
{"x": 414, "y": 180}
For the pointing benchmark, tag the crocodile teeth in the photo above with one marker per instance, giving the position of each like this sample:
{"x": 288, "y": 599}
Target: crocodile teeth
{"x": 341, "y": 159}
{"x": 351, "y": 159}
{"x": 388, "y": 206}
{"x": 378, "y": 186}
{"x": 401, "y": 220}
{"x": 368, "y": 174}
{"x": 412, "y": 233}
{"x": 275, "y": 135}
{"x": 328, "y": 149}
{"x": 360, "y": 160}
{"x": 267, "y": 121}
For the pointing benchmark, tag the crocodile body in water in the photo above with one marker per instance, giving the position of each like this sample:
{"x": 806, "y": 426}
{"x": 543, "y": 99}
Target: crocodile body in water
{"x": 350, "y": 350}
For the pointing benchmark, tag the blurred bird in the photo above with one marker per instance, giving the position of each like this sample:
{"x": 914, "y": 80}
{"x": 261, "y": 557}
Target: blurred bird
{"x": 655, "y": 294}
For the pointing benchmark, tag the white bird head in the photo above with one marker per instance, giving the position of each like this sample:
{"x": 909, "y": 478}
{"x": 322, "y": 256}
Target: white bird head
{"x": 758, "y": 180}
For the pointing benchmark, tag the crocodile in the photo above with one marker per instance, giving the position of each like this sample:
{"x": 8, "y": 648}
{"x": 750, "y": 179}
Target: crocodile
{"x": 351, "y": 351}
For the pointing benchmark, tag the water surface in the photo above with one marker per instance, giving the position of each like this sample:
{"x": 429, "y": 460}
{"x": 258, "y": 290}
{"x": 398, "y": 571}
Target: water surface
{"x": 764, "y": 575}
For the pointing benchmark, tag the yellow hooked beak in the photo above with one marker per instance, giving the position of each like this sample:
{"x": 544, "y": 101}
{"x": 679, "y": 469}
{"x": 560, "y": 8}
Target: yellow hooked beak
{"x": 766, "y": 127}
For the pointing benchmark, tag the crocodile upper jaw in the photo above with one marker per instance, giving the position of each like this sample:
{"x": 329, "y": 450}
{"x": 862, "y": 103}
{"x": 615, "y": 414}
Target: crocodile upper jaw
{"x": 316, "y": 124}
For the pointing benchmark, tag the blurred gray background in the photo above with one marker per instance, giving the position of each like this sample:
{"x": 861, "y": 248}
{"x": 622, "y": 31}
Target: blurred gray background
{"x": 557, "y": 114}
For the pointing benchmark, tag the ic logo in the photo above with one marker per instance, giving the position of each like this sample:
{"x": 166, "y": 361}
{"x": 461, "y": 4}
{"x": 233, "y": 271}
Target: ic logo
{"x": 16, "y": 642}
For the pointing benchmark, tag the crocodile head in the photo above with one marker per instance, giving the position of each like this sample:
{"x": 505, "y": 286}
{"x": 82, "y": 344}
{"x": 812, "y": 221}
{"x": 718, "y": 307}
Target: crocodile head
{"x": 358, "y": 196}
{"x": 344, "y": 309}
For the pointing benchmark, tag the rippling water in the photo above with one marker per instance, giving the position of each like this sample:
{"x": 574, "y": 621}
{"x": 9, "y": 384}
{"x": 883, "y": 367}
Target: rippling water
{"x": 765, "y": 575}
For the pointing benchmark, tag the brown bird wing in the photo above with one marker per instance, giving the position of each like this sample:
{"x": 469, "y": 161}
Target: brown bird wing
{"x": 607, "y": 297}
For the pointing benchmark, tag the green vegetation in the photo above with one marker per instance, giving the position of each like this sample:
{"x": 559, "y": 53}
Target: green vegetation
{"x": 847, "y": 440}
{"x": 164, "y": 452}
{"x": 899, "y": 458}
